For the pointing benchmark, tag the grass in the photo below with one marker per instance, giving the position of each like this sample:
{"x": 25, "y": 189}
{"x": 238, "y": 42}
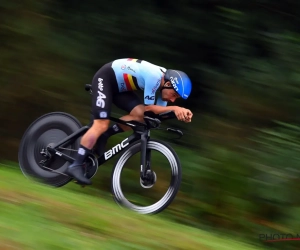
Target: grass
{"x": 34, "y": 216}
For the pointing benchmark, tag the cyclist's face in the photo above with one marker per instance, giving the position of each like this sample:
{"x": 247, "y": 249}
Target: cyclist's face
{"x": 169, "y": 95}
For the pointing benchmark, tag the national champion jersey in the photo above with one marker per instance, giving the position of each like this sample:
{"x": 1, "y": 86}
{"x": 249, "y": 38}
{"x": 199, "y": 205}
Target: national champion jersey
{"x": 134, "y": 74}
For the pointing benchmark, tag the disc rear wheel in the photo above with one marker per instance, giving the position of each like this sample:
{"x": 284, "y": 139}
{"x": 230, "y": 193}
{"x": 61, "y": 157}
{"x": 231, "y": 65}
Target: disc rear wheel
{"x": 43, "y": 132}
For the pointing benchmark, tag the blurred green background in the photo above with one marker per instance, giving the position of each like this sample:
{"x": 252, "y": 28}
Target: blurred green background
{"x": 240, "y": 155}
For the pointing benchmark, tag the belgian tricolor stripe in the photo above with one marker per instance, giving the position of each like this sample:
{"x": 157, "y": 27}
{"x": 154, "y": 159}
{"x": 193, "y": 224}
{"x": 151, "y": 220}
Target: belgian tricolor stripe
{"x": 131, "y": 82}
{"x": 134, "y": 60}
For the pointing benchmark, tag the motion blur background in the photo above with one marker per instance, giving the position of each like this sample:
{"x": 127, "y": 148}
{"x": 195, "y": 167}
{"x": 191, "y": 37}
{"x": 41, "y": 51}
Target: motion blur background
{"x": 240, "y": 155}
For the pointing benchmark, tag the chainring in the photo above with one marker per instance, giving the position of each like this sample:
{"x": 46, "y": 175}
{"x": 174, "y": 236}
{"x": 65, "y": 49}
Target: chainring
{"x": 91, "y": 166}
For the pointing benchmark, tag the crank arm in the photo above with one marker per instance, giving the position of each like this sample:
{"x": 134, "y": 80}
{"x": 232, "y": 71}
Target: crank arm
{"x": 54, "y": 171}
{"x": 60, "y": 154}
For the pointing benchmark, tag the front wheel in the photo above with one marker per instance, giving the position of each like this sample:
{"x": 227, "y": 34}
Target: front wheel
{"x": 173, "y": 186}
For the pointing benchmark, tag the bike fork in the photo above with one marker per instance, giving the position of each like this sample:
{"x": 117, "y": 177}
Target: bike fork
{"x": 145, "y": 155}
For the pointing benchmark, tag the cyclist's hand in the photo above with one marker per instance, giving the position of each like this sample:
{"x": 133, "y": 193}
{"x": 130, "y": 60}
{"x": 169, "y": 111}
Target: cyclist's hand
{"x": 183, "y": 114}
{"x": 188, "y": 115}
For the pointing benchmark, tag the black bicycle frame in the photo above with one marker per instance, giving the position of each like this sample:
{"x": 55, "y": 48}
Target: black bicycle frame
{"x": 141, "y": 132}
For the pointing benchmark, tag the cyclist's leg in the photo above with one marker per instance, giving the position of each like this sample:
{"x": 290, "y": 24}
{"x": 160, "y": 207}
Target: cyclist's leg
{"x": 101, "y": 106}
{"x": 132, "y": 104}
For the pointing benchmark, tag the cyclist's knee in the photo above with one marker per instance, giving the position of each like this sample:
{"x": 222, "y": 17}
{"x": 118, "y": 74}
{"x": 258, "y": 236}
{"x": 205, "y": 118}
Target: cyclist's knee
{"x": 138, "y": 112}
{"x": 100, "y": 126}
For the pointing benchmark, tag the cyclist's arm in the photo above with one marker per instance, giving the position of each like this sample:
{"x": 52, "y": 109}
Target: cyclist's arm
{"x": 159, "y": 109}
{"x": 182, "y": 114}
{"x": 149, "y": 97}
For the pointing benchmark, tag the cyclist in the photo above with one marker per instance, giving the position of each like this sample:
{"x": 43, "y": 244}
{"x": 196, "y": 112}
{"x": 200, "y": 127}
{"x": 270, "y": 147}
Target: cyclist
{"x": 114, "y": 83}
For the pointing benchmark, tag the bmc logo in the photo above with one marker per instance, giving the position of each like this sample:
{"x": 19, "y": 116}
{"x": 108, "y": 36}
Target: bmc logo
{"x": 115, "y": 149}
{"x": 149, "y": 97}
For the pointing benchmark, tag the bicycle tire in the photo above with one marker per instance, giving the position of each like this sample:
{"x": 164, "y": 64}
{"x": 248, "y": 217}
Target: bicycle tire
{"x": 169, "y": 196}
{"x": 49, "y": 128}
